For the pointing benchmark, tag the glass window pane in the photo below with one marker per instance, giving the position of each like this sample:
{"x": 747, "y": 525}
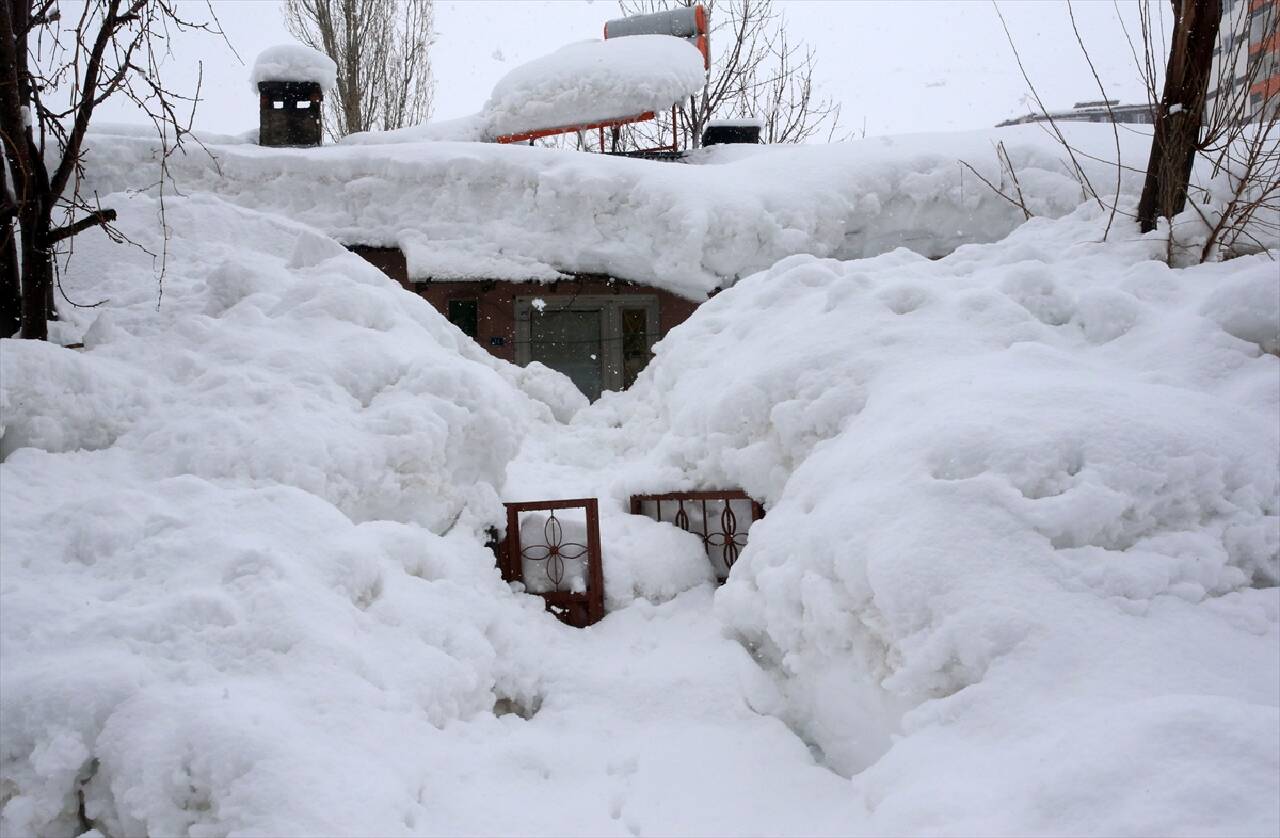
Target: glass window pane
{"x": 569, "y": 341}
{"x": 465, "y": 315}
{"x": 635, "y": 344}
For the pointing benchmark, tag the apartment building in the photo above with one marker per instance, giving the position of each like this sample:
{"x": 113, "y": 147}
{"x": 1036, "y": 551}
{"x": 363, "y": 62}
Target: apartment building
{"x": 1101, "y": 110}
{"x": 1247, "y": 57}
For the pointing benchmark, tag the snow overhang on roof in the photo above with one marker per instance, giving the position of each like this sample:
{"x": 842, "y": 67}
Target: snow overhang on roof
{"x": 535, "y": 213}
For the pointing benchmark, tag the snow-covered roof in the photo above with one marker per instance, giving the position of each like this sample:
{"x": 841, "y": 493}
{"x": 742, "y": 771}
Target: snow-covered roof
{"x": 294, "y": 62}
{"x": 592, "y": 81}
{"x": 688, "y": 229}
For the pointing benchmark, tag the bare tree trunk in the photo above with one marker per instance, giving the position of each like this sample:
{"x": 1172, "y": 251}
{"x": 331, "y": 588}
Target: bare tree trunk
{"x": 1181, "y": 110}
{"x": 10, "y": 290}
{"x": 10, "y": 281}
{"x": 37, "y": 281}
{"x": 27, "y": 169}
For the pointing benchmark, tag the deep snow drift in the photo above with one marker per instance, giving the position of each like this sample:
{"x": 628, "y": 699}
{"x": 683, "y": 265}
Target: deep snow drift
{"x": 1018, "y": 573}
{"x": 241, "y": 533}
{"x": 1020, "y": 562}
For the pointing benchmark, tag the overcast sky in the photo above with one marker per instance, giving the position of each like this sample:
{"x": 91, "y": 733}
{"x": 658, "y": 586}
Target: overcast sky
{"x": 901, "y": 66}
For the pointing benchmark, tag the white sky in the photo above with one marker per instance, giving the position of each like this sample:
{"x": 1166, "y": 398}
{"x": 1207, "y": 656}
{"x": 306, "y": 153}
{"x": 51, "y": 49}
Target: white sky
{"x": 903, "y": 66}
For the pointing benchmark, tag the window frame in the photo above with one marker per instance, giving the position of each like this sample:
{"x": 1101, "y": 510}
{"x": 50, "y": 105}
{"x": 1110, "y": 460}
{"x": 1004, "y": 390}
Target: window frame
{"x": 475, "y": 304}
{"x": 610, "y": 306}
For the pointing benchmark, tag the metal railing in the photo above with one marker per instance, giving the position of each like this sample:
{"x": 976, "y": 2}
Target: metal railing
{"x": 711, "y": 516}
{"x": 552, "y": 560}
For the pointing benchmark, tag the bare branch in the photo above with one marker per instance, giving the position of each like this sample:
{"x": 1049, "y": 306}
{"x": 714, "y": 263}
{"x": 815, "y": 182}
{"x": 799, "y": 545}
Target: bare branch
{"x": 96, "y": 219}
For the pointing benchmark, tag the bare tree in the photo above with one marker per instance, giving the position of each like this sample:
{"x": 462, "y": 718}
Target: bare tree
{"x": 1180, "y": 112}
{"x": 1239, "y": 134}
{"x": 53, "y": 75}
{"x": 383, "y": 52}
{"x": 756, "y": 71}
{"x": 1241, "y": 137}
{"x": 1233, "y": 128}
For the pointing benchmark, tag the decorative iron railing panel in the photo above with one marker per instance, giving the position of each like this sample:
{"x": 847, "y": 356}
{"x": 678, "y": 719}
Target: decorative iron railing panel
{"x": 568, "y": 574}
{"x": 721, "y": 518}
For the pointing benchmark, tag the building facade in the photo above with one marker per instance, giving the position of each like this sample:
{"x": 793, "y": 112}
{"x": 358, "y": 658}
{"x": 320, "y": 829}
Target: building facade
{"x": 1246, "y": 66}
{"x": 1101, "y": 110}
{"x": 597, "y": 330}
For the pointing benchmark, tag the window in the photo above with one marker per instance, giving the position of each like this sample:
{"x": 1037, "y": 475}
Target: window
{"x": 465, "y": 314}
{"x": 636, "y": 347}
{"x": 1260, "y": 25}
{"x": 303, "y": 104}
{"x": 601, "y": 341}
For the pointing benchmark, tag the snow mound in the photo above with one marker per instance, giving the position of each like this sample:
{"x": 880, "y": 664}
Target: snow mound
{"x": 294, "y": 62}
{"x": 1023, "y": 525}
{"x": 464, "y": 129}
{"x": 593, "y": 81}
{"x": 244, "y": 580}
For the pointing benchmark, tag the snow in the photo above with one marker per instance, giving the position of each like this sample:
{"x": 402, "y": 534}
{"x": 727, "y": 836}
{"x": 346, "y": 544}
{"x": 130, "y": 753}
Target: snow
{"x": 743, "y": 122}
{"x": 294, "y": 62}
{"x": 463, "y": 208}
{"x": 281, "y": 475}
{"x": 1018, "y": 573}
{"x": 463, "y": 129}
{"x": 1023, "y": 523}
{"x": 581, "y": 83}
{"x": 592, "y": 81}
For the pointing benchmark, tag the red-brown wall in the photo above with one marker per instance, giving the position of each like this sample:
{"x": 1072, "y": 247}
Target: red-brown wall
{"x": 496, "y": 298}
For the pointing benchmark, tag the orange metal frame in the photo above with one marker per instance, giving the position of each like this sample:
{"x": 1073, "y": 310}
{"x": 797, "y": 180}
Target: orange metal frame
{"x": 547, "y": 132}
{"x": 597, "y": 126}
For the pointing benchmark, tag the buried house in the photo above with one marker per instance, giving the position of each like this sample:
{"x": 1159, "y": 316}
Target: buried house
{"x": 583, "y": 261}
{"x": 595, "y": 327}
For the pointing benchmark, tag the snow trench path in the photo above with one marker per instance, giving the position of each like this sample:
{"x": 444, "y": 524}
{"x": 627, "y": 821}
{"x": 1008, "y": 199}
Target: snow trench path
{"x": 645, "y": 728}
{"x": 652, "y": 722}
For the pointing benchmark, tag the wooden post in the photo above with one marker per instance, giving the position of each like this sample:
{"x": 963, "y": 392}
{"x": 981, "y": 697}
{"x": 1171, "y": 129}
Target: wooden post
{"x": 511, "y": 570}
{"x": 595, "y": 565}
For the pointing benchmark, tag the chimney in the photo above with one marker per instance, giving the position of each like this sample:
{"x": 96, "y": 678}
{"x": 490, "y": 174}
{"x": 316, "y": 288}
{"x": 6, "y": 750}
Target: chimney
{"x": 291, "y": 81}
{"x": 725, "y": 131}
{"x": 289, "y": 113}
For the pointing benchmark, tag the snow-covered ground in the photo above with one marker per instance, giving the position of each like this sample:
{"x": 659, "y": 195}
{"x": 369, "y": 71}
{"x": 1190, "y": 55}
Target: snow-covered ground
{"x": 1018, "y": 574}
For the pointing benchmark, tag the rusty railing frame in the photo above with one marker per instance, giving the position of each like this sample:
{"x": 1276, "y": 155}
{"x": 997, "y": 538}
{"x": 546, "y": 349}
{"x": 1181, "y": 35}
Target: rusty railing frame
{"x": 728, "y": 519}
{"x": 575, "y": 609}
